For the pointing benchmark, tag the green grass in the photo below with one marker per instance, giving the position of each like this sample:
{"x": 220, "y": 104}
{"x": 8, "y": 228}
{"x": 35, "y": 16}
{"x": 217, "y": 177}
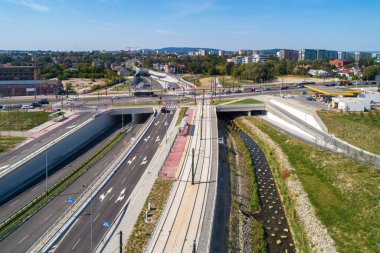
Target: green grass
{"x": 17, "y": 120}
{"x": 359, "y": 129}
{"x": 345, "y": 194}
{"x": 247, "y": 101}
{"x": 217, "y": 102}
{"x": 143, "y": 230}
{"x": 123, "y": 87}
{"x": 181, "y": 115}
{"x": 8, "y": 142}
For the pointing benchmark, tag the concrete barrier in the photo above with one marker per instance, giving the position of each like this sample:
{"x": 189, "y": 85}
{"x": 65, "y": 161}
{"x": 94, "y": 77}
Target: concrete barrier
{"x": 53, "y": 154}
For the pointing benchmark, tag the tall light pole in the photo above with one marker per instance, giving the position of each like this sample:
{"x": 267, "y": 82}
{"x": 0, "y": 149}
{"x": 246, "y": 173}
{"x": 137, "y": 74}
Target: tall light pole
{"x": 91, "y": 220}
{"x": 46, "y": 172}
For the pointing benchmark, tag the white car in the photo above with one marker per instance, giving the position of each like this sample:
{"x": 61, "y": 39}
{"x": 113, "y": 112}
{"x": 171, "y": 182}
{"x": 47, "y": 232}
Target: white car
{"x": 70, "y": 99}
{"x": 27, "y": 107}
{"x": 115, "y": 97}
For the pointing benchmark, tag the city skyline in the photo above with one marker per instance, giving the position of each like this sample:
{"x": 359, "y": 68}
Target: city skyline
{"x": 116, "y": 25}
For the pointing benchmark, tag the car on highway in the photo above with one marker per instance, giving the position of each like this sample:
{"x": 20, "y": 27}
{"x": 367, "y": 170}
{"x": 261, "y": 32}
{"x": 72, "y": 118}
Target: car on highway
{"x": 228, "y": 92}
{"x": 164, "y": 110}
{"x": 237, "y": 91}
{"x": 115, "y": 97}
{"x": 16, "y": 106}
{"x": 212, "y": 93}
{"x": 27, "y": 107}
{"x": 70, "y": 99}
{"x": 310, "y": 98}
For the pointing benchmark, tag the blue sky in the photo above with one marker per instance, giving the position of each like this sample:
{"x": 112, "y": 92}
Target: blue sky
{"x": 226, "y": 24}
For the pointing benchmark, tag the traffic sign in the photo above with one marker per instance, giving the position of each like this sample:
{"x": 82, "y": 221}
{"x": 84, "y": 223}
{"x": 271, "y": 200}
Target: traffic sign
{"x": 69, "y": 201}
{"x": 106, "y": 224}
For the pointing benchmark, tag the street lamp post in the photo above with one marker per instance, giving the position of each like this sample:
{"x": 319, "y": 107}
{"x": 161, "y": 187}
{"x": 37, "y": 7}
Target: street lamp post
{"x": 46, "y": 168}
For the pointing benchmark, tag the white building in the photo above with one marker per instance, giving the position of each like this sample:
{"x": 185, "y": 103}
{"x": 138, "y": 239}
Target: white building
{"x": 352, "y": 104}
{"x": 362, "y": 55}
{"x": 342, "y": 55}
{"x": 202, "y": 52}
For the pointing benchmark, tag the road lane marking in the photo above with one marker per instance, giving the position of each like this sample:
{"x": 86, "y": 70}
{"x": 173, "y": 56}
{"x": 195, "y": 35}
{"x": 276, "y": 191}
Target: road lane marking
{"x": 48, "y": 217}
{"x": 144, "y": 161}
{"x": 76, "y": 244}
{"x": 158, "y": 138}
{"x": 35, "y": 188}
{"x": 133, "y": 166}
{"x": 22, "y": 240}
{"x": 104, "y": 195}
{"x": 112, "y": 196}
{"x": 124, "y": 180}
{"x": 96, "y": 217}
{"x": 121, "y": 196}
{"x": 157, "y": 123}
{"x": 14, "y": 203}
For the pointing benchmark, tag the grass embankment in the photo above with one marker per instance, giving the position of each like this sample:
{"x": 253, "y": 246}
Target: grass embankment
{"x": 344, "y": 193}
{"x": 243, "y": 179}
{"x": 247, "y": 101}
{"x": 15, "y": 121}
{"x": 9, "y": 142}
{"x": 36, "y": 204}
{"x": 181, "y": 115}
{"x": 143, "y": 230}
{"x": 195, "y": 79}
{"x": 359, "y": 129}
{"x": 217, "y": 102}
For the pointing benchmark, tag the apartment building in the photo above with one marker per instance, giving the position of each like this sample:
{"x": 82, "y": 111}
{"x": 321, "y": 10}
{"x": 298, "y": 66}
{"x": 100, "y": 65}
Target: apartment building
{"x": 288, "y": 54}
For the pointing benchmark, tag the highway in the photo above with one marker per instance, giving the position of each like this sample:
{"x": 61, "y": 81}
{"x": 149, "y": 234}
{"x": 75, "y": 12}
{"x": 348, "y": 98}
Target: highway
{"x": 16, "y": 155}
{"x": 36, "y": 188}
{"x": 108, "y": 202}
{"x": 180, "y": 225}
{"x": 31, "y": 230}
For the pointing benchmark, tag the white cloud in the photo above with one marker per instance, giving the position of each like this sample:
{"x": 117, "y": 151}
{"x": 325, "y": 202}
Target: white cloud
{"x": 32, "y": 5}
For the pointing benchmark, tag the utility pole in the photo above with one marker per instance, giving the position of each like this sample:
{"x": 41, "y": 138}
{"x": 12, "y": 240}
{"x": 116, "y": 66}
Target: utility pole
{"x": 46, "y": 166}
{"x": 192, "y": 168}
{"x": 121, "y": 242}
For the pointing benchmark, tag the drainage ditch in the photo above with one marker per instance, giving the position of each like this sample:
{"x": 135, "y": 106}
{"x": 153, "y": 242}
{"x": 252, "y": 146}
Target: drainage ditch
{"x": 277, "y": 233}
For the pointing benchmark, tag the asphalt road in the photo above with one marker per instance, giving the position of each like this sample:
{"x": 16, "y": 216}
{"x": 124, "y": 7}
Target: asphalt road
{"x": 38, "y": 187}
{"x": 28, "y": 233}
{"x": 109, "y": 201}
{"x": 16, "y": 155}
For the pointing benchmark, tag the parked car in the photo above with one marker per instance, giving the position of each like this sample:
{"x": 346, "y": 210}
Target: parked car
{"x": 36, "y": 104}
{"x": 310, "y": 98}
{"x": 237, "y": 91}
{"x": 115, "y": 97}
{"x": 43, "y": 101}
{"x": 26, "y": 107}
{"x": 16, "y": 106}
{"x": 228, "y": 92}
{"x": 7, "y": 108}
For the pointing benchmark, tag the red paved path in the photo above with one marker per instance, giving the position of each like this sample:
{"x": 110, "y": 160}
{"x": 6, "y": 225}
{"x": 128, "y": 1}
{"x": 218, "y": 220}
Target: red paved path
{"x": 174, "y": 158}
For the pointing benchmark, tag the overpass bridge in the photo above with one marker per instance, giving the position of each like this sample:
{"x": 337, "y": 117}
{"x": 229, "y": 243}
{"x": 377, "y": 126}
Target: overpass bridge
{"x": 249, "y": 109}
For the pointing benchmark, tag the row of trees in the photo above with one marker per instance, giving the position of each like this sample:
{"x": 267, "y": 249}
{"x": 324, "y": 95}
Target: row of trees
{"x": 218, "y": 65}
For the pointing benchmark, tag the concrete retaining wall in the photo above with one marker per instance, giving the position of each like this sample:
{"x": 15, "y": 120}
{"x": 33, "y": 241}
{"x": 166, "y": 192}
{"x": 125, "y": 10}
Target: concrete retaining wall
{"x": 35, "y": 168}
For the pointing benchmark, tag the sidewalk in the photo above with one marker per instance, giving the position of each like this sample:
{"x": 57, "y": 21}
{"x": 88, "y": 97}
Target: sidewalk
{"x": 173, "y": 161}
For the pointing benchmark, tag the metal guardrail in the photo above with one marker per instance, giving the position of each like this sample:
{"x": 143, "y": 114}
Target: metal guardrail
{"x": 68, "y": 217}
{"x": 41, "y": 149}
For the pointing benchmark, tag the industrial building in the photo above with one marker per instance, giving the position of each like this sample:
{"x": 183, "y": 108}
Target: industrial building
{"x": 26, "y": 81}
{"x": 351, "y": 104}
{"x": 20, "y": 73}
